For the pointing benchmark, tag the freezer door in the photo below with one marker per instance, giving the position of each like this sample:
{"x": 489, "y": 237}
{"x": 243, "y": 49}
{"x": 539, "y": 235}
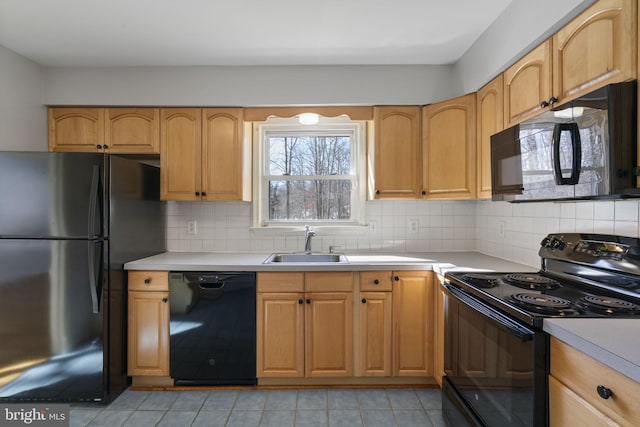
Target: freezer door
{"x": 51, "y": 194}
{"x": 52, "y": 341}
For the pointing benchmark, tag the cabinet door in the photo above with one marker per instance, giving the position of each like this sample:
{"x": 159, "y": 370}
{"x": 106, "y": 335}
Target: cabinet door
{"x": 438, "y": 353}
{"x": 148, "y": 334}
{"x": 132, "y": 130}
{"x": 527, "y": 83}
{"x": 375, "y": 334}
{"x": 397, "y": 152}
{"x": 329, "y": 334}
{"x": 76, "y": 129}
{"x": 280, "y": 335}
{"x": 595, "y": 49}
{"x": 225, "y": 171}
{"x": 490, "y": 120}
{"x": 413, "y": 323}
{"x": 180, "y": 153}
{"x": 449, "y": 130}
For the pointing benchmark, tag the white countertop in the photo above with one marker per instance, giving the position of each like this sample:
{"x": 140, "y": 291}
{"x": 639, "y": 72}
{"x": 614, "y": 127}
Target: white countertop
{"x": 437, "y": 261}
{"x": 613, "y": 342}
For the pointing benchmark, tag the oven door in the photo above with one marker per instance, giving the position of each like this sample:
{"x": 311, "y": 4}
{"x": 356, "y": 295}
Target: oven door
{"x": 495, "y": 368}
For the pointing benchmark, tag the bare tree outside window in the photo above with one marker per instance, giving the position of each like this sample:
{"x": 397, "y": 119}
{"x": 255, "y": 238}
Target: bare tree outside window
{"x": 309, "y": 177}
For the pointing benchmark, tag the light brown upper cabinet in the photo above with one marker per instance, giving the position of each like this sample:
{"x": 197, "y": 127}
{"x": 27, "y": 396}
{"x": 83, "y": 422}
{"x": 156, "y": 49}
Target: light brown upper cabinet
{"x": 489, "y": 120}
{"x": 203, "y": 154}
{"x": 449, "y": 138}
{"x": 132, "y": 130}
{"x": 397, "y": 152}
{"x": 527, "y": 84}
{"x": 112, "y": 130}
{"x": 76, "y": 129}
{"x": 597, "y": 48}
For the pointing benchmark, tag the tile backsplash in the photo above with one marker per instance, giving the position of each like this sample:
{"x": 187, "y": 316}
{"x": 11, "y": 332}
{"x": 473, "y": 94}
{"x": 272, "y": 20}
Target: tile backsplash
{"x": 506, "y": 230}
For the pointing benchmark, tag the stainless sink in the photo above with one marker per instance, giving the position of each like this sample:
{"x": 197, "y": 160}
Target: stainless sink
{"x": 306, "y": 258}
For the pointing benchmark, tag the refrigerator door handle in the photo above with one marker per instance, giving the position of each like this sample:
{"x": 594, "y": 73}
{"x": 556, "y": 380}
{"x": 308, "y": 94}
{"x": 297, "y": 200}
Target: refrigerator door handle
{"x": 95, "y": 274}
{"x": 93, "y": 202}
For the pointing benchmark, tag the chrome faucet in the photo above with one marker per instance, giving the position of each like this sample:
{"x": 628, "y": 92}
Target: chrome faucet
{"x": 308, "y": 234}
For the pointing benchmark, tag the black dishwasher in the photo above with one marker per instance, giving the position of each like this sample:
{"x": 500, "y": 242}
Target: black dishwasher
{"x": 213, "y": 328}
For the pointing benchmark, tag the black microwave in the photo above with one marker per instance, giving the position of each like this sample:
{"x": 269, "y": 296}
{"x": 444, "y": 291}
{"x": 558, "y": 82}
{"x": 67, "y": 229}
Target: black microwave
{"x": 584, "y": 149}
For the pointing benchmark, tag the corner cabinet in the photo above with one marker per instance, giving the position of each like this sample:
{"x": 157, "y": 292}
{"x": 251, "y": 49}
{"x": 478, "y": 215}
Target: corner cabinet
{"x": 582, "y": 391}
{"x": 148, "y": 324}
{"x": 413, "y": 323}
{"x": 112, "y": 130}
{"x": 204, "y": 155}
{"x": 489, "y": 120}
{"x": 449, "y": 138}
{"x": 397, "y": 152}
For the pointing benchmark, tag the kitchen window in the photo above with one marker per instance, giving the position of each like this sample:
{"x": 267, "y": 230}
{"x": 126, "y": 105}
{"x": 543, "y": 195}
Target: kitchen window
{"x": 310, "y": 174}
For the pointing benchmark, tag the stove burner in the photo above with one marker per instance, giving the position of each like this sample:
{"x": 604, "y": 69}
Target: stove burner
{"x": 532, "y": 281}
{"x": 542, "y": 303}
{"x": 481, "y": 280}
{"x": 607, "y": 305}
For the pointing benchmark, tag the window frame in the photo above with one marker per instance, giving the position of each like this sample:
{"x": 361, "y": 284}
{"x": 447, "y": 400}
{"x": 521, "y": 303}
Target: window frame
{"x": 356, "y": 130}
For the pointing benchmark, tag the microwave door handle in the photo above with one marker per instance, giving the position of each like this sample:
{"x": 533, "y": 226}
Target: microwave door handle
{"x": 576, "y": 153}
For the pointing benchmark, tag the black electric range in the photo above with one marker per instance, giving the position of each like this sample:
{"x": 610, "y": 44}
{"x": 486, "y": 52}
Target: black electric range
{"x": 582, "y": 275}
{"x": 496, "y": 353}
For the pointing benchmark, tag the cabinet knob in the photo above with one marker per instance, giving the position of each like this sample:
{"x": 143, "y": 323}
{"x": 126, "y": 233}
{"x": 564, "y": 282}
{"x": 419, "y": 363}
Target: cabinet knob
{"x": 308, "y": 301}
{"x": 424, "y": 193}
{"x": 204, "y": 193}
{"x": 376, "y": 282}
{"x": 164, "y": 300}
{"x": 377, "y": 191}
{"x": 300, "y": 301}
{"x": 396, "y": 278}
{"x": 550, "y": 102}
{"x": 105, "y": 146}
{"x": 604, "y": 392}
{"x": 197, "y": 193}
{"x": 147, "y": 281}
{"x": 99, "y": 147}
{"x": 364, "y": 300}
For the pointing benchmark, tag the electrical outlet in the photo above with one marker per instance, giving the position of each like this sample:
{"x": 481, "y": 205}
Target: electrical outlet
{"x": 192, "y": 227}
{"x": 412, "y": 225}
{"x": 502, "y": 225}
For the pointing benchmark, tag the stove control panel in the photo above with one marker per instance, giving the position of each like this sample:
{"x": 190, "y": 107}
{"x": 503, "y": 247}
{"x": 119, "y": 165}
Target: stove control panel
{"x": 589, "y": 248}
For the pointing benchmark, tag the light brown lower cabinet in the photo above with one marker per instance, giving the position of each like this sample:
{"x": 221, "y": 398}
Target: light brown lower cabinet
{"x": 148, "y": 324}
{"x": 578, "y": 386}
{"x": 304, "y": 333}
{"x": 413, "y": 323}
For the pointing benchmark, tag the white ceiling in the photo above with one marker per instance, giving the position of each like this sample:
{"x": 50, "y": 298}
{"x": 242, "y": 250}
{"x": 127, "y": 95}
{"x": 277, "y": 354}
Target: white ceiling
{"x": 243, "y": 32}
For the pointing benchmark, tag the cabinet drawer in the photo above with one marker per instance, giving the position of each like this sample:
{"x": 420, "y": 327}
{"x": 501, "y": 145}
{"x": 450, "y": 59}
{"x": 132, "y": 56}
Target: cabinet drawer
{"x": 372, "y": 281}
{"x": 280, "y": 282}
{"x": 329, "y": 282}
{"x": 583, "y": 375}
{"x": 148, "y": 281}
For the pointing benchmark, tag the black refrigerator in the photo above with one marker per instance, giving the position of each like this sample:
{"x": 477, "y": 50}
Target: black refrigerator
{"x": 68, "y": 223}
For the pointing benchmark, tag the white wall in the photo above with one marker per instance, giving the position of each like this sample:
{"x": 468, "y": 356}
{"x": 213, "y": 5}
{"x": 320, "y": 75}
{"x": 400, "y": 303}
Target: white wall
{"x": 249, "y": 85}
{"x": 522, "y": 26}
{"x": 23, "y": 119}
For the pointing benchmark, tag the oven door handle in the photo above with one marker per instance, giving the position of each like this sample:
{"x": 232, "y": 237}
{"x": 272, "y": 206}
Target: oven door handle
{"x": 515, "y": 329}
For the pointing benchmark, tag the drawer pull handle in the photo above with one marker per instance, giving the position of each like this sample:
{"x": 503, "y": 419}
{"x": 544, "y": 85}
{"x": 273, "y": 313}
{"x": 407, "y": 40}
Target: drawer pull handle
{"x": 147, "y": 281}
{"x": 604, "y": 392}
{"x": 376, "y": 282}
{"x": 164, "y": 300}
